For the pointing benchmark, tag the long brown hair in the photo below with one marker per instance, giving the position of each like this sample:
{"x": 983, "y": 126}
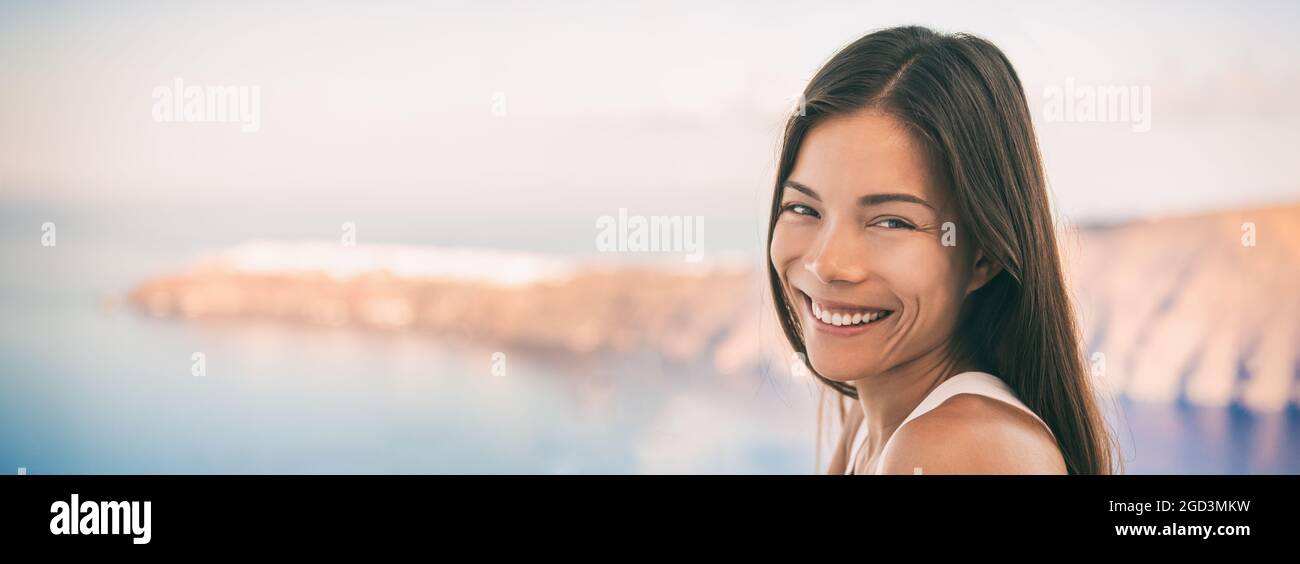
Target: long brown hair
{"x": 963, "y": 102}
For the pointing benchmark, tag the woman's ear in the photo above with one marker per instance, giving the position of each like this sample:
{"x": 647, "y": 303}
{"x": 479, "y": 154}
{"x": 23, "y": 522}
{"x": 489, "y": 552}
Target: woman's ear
{"x": 981, "y": 272}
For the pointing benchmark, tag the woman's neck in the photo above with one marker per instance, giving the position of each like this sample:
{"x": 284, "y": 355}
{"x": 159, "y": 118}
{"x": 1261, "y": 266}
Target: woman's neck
{"x": 889, "y": 397}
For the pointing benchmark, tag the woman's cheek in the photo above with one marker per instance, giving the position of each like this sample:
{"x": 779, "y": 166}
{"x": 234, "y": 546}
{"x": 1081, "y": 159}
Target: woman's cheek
{"x": 787, "y": 245}
{"x": 920, "y": 273}
{"x": 943, "y": 281}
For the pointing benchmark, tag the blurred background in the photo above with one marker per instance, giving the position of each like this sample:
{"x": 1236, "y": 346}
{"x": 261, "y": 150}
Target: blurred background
{"x": 387, "y": 258}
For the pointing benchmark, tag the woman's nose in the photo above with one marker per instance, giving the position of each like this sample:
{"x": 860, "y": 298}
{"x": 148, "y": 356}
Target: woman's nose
{"x": 838, "y": 255}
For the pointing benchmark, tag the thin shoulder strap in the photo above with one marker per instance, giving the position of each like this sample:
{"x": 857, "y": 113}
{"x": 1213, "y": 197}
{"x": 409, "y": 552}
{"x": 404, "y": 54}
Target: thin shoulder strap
{"x": 980, "y": 383}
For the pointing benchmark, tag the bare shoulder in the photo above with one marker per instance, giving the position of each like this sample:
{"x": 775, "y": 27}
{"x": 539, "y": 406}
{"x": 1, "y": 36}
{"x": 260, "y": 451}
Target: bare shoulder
{"x": 973, "y": 434}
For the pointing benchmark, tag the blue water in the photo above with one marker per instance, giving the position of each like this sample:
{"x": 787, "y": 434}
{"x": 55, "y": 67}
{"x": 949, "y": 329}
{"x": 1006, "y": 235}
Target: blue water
{"x": 90, "y": 386}
{"x": 1179, "y": 438}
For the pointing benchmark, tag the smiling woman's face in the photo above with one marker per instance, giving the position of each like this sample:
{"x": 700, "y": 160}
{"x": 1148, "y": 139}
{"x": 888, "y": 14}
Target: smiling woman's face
{"x": 858, "y": 246}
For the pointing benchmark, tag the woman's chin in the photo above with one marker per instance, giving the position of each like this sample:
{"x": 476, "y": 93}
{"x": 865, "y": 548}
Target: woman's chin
{"x": 841, "y": 371}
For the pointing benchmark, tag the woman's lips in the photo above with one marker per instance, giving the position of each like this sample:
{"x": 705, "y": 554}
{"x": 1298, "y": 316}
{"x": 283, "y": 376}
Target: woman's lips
{"x": 842, "y": 319}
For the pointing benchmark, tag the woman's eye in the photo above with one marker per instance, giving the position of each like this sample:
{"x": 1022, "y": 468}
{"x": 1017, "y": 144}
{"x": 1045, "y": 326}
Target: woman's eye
{"x": 801, "y": 209}
{"x": 894, "y": 223}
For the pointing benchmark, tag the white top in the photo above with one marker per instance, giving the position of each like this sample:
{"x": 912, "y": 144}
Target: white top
{"x": 979, "y": 383}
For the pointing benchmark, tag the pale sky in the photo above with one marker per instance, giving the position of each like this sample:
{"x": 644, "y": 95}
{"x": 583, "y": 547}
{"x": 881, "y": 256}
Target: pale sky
{"x": 670, "y": 107}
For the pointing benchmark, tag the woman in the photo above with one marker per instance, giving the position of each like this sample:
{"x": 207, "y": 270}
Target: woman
{"x": 913, "y": 262}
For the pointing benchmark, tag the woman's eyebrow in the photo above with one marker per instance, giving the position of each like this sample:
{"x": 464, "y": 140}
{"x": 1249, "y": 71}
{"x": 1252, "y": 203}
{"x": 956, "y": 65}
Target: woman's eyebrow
{"x": 865, "y": 201}
{"x": 876, "y": 199}
{"x": 806, "y": 190}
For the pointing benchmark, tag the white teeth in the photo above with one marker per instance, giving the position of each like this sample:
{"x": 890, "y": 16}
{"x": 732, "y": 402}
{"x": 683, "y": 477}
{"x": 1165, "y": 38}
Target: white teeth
{"x": 844, "y": 319}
